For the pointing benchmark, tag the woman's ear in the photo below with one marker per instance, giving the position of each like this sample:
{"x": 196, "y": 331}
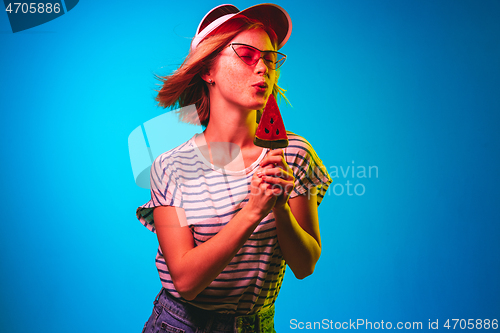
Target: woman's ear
{"x": 205, "y": 76}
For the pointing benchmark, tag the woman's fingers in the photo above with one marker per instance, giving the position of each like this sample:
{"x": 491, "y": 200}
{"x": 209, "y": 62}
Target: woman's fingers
{"x": 279, "y": 186}
{"x": 276, "y": 172}
{"x": 276, "y": 179}
{"x": 261, "y": 187}
{"x": 273, "y": 161}
{"x": 279, "y": 180}
{"x": 274, "y": 157}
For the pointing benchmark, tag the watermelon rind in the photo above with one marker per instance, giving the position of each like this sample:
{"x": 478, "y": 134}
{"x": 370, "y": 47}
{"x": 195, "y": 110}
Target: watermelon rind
{"x": 271, "y": 144}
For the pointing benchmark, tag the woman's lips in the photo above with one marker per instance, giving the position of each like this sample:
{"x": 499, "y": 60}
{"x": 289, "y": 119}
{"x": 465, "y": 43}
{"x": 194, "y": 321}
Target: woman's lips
{"x": 260, "y": 86}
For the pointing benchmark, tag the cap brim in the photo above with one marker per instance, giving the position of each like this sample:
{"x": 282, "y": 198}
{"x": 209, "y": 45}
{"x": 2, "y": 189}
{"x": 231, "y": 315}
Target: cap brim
{"x": 272, "y": 16}
{"x": 269, "y": 14}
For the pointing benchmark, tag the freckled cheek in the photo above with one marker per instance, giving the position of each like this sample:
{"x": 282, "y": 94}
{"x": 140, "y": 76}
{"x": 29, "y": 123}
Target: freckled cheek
{"x": 236, "y": 80}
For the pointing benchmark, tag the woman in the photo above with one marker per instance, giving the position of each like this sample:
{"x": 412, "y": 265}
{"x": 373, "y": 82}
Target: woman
{"x": 229, "y": 216}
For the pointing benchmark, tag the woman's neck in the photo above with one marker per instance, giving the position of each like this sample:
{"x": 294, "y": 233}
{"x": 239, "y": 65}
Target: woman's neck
{"x": 230, "y": 133}
{"x": 235, "y": 126}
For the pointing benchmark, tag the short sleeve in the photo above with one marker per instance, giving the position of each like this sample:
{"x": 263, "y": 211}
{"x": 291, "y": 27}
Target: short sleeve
{"x": 308, "y": 169}
{"x": 165, "y": 190}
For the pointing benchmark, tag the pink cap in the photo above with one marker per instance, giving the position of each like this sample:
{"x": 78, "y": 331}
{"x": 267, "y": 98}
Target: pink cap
{"x": 269, "y": 14}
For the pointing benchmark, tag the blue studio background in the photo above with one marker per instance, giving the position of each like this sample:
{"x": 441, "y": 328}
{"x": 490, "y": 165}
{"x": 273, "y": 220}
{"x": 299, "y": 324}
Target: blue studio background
{"x": 410, "y": 88}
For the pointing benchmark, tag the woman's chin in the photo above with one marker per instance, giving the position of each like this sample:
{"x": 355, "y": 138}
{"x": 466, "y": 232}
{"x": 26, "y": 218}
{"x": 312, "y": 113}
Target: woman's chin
{"x": 259, "y": 106}
{"x": 261, "y": 102}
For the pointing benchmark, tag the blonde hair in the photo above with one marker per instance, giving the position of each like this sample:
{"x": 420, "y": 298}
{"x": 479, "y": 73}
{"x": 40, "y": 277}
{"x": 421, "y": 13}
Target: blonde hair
{"x": 186, "y": 87}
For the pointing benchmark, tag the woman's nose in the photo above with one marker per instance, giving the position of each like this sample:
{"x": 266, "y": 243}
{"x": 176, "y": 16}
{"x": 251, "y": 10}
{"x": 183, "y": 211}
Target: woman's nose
{"x": 261, "y": 66}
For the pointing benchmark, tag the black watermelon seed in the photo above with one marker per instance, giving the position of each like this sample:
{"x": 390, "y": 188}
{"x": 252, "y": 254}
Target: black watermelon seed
{"x": 266, "y": 130}
{"x": 271, "y": 121}
{"x": 277, "y": 131}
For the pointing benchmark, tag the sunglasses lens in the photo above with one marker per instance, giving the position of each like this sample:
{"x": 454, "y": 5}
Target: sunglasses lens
{"x": 249, "y": 55}
{"x": 279, "y": 60}
{"x": 270, "y": 58}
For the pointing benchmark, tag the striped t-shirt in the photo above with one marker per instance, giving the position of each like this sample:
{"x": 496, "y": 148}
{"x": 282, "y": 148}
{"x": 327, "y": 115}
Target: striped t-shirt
{"x": 210, "y": 197}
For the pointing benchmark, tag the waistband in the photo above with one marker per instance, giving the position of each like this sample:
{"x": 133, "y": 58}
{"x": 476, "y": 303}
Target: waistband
{"x": 214, "y": 321}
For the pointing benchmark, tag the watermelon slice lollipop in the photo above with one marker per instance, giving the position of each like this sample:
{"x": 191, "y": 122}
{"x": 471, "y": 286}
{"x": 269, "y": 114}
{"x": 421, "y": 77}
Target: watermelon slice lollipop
{"x": 271, "y": 131}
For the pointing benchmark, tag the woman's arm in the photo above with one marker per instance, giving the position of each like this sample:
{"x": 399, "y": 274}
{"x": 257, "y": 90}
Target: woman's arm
{"x": 193, "y": 268}
{"x": 298, "y": 233}
{"x": 296, "y": 219}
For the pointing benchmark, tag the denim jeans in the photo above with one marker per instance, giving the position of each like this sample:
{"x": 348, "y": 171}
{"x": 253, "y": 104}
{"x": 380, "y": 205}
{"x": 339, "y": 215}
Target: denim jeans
{"x": 171, "y": 315}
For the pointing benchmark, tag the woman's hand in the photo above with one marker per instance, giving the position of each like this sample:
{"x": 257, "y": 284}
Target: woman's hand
{"x": 262, "y": 196}
{"x": 296, "y": 219}
{"x": 276, "y": 173}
